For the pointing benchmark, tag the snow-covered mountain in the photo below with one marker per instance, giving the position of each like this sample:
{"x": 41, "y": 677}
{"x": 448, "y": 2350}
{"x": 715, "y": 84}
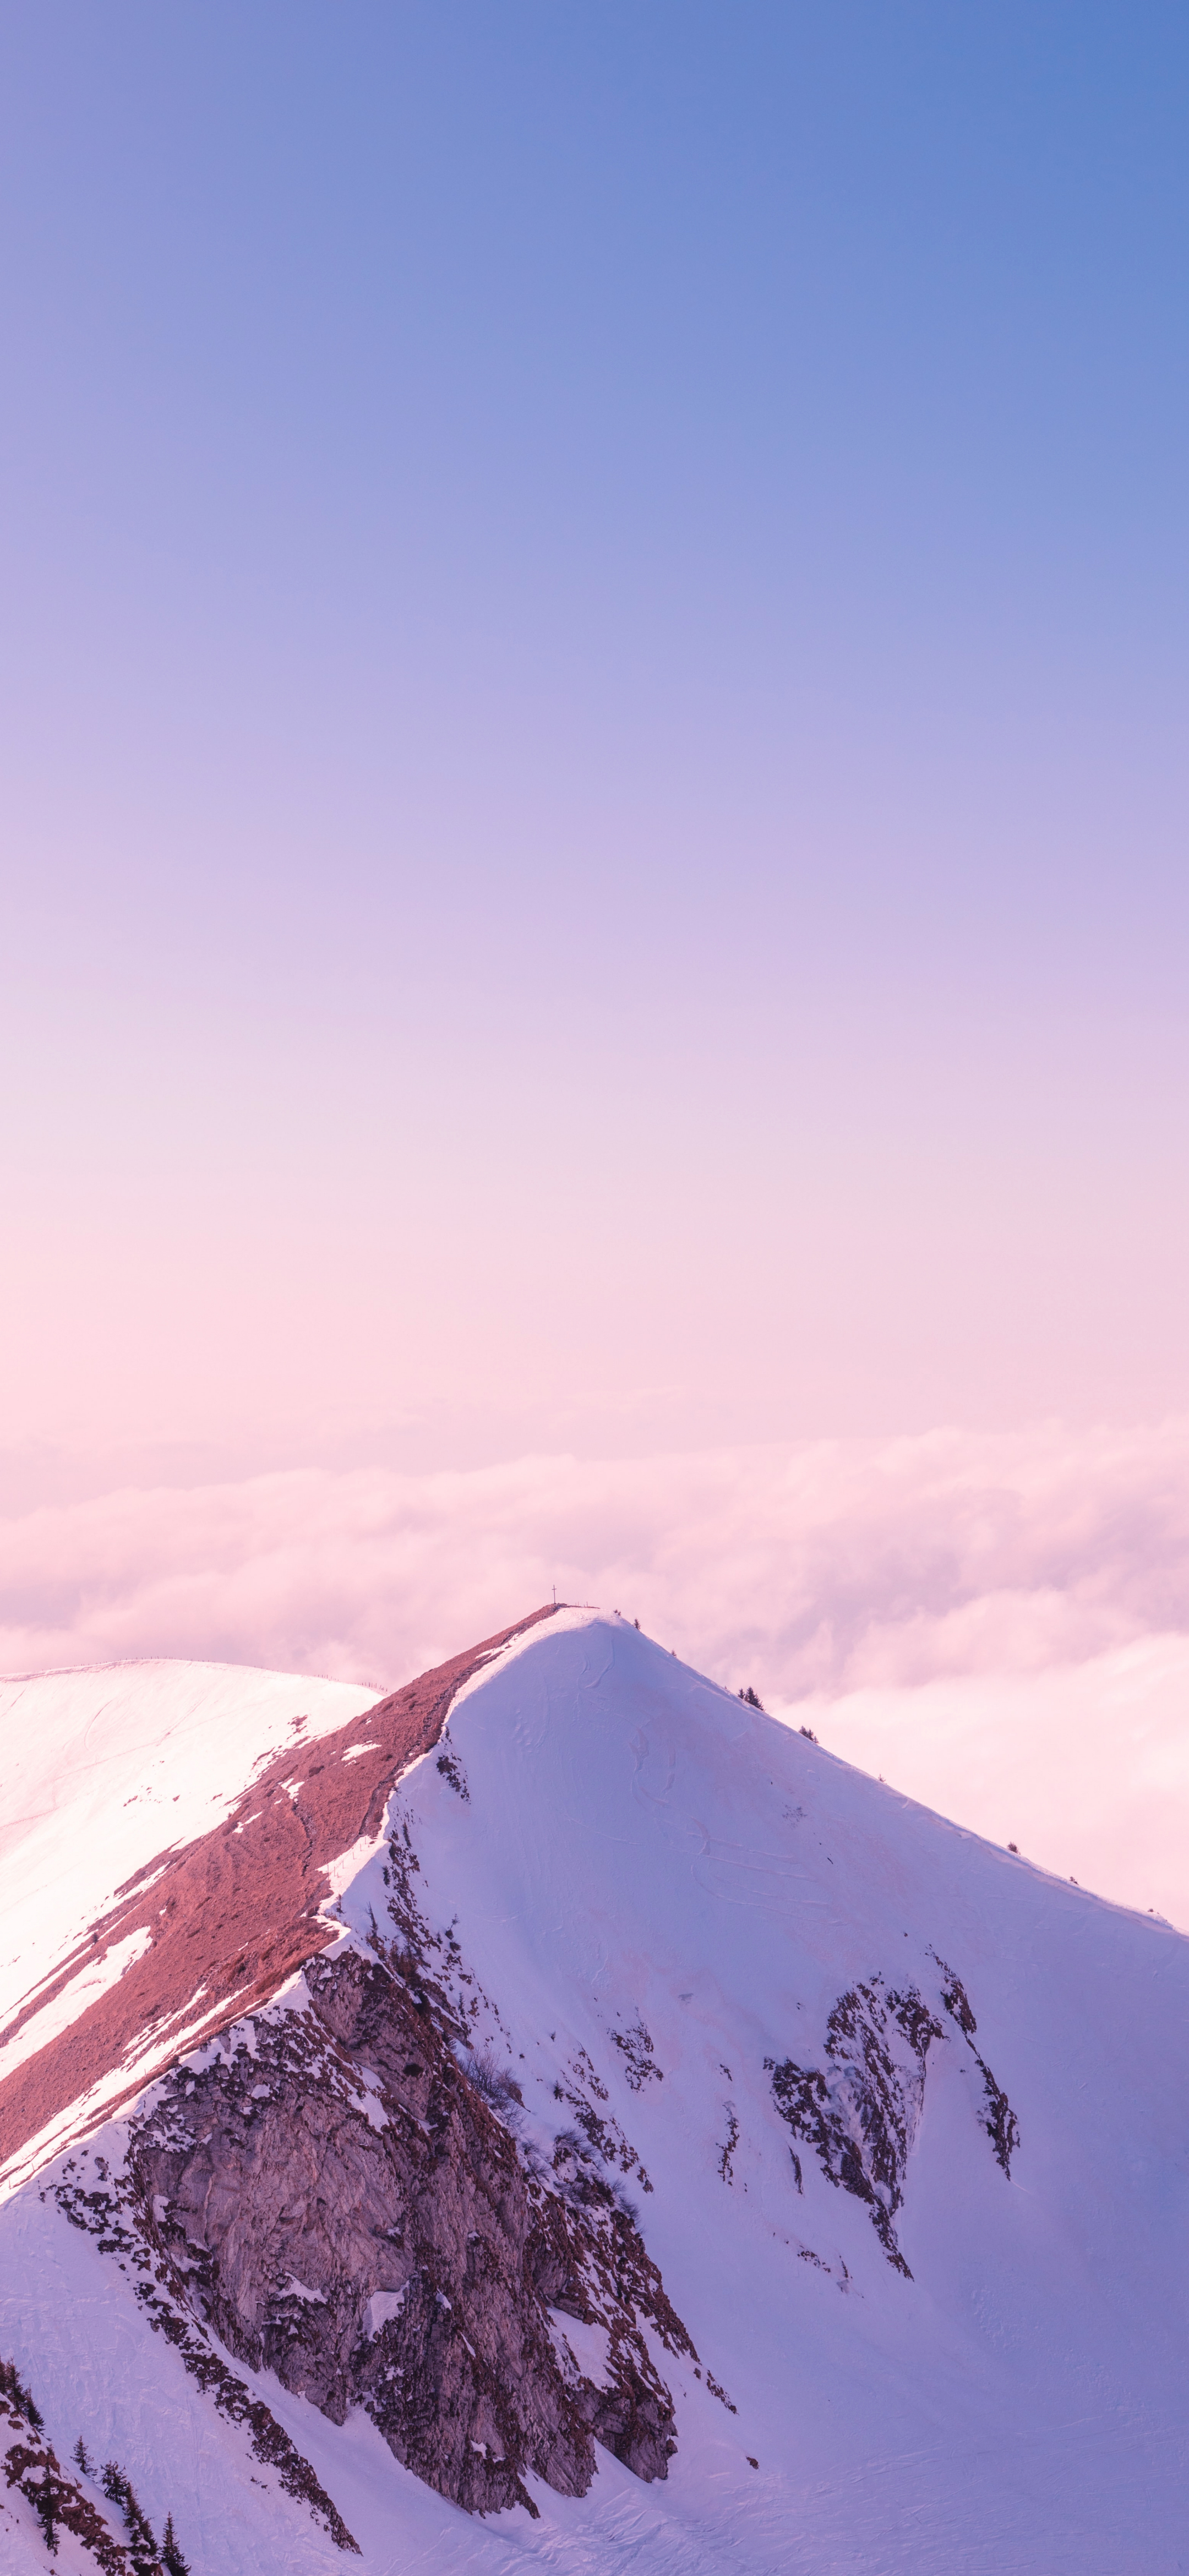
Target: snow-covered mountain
{"x": 559, "y": 2115}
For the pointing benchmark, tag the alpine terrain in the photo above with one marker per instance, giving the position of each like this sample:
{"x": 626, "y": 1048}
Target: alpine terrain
{"x": 559, "y": 2116}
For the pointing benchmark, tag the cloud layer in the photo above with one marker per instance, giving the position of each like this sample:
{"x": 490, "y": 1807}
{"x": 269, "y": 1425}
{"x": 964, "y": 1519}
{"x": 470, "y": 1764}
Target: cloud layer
{"x": 1001, "y": 1625}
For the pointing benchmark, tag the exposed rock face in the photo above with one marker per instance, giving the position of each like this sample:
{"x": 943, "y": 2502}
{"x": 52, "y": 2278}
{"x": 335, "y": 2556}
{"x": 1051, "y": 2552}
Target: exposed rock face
{"x": 338, "y": 2197}
{"x": 861, "y": 2111}
{"x": 999, "y": 2121}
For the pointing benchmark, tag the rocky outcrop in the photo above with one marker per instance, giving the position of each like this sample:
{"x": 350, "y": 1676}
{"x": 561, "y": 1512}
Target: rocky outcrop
{"x": 999, "y": 2119}
{"x": 105, "y": 2205}
{"x": 337, "y": 2191}
{"x": 860, "y": 2112}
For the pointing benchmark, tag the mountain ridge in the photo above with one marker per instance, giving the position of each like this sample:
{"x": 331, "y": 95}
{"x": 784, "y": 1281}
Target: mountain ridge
{"x": 684, "y": 2152}
{"x": 210, "y": 1898}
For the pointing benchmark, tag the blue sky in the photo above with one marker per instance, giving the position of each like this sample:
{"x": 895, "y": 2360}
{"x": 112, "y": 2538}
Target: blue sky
{"x": 594, "y": 673}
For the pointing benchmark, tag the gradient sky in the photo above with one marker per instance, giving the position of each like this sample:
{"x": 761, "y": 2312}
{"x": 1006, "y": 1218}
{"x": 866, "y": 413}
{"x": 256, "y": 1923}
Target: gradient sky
{"x": 593, "y": 690}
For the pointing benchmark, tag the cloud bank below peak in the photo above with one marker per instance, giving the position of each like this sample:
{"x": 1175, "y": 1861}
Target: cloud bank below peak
{"x": 999, "y": 1624}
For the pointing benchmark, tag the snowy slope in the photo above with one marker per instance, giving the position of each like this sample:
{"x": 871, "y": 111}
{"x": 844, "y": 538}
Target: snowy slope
{"x": 106, "y": 1765}
{"x": 208, "y": 1817}
{"x": 902, "y": 2120}
{"x": 104, "y": 1770}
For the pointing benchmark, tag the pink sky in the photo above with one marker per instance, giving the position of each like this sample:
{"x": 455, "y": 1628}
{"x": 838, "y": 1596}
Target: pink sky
{"x": 592, "y": 717}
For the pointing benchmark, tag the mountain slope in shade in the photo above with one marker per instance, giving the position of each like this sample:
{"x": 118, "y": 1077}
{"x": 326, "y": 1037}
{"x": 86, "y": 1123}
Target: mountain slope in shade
{"x": 624, "y": 2137}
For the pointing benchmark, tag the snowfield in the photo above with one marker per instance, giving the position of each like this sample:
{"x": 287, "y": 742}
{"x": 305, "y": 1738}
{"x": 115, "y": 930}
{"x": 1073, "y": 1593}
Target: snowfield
{"x": 903, "y": 2122}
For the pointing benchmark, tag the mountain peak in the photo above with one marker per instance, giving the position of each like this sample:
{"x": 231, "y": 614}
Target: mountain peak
{"x": 605, "y": 2108}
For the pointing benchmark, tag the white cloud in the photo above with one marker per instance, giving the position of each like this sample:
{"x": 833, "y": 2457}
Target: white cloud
{"x": 995, "y": 1622}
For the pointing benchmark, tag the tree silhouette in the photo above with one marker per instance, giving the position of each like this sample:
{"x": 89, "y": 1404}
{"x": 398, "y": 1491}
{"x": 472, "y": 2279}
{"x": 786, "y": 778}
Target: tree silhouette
{"x": 171, "y": 2556}
{"x": 142, "y": 2548}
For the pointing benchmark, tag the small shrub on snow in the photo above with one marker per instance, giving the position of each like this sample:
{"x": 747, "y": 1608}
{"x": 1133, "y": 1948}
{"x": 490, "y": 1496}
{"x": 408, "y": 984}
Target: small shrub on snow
{"x": 496, "y": 2083}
